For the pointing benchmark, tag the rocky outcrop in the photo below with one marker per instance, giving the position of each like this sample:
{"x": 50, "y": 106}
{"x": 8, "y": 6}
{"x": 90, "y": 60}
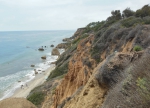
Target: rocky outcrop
{"x": 16, "y": 103}
{"x": 43, "y": 57}
{"x": 41, "y": 49}
{"x": 62, "y": 46}
{"x": 52, "y": 45}
{"x": 78, "y": 32}
{"x": 78, "y": 73}
{"x": 67, "y": 40}
{"x": 55, "y": 52}
{"x": 32, "y": 65}
{"x": 35, "y": 72}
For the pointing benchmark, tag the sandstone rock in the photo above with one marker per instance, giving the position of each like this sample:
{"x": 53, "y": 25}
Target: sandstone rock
{"x": 55, "y": 52}
{"x": 61, "y": 46}
{"x": 43, "y": 57}
{"x": 32, "y": 65}
{"x": 16, "y": 103}
{"x": 78, "y": 32}
{"x": 41, "y": 49}
{"x": 77, "y": 75}
{"x": 67, "y": 40}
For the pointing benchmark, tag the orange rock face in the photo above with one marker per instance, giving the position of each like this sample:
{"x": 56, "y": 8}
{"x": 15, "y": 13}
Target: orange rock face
{"x": 78, "y": 72}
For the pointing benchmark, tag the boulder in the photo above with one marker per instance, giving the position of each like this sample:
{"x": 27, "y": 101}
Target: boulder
{"x": 41, "y": 49}
{"x": 43, "y": 57}
{"x": 55, "y": 52}
{"x": 53, "y": 62}
{"x": 61, "y": 45}
{"x": 16, "y": 103}
{"x": 35, "y": 72}
{"x": 32, "y": 65}
{"x": 52, "y": 45}
{"x": 67, "y": 40}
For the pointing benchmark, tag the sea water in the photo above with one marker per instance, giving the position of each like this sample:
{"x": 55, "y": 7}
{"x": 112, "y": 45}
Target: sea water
{"x": 19, "y": 50}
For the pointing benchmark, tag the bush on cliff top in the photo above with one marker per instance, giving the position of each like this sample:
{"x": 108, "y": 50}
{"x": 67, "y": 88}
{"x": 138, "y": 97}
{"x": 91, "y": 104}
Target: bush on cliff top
{"x": 131, "y": 21}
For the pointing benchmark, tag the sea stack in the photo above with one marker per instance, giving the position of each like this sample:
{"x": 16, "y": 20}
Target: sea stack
{"x": 55, "y": 52}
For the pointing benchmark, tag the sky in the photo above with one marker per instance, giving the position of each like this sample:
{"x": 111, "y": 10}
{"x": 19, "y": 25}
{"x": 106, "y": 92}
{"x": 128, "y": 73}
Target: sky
{"x": 22, "y": 15}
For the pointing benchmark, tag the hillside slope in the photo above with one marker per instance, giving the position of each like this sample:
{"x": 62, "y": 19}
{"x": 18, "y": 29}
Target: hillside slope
{"x": 105, "y": 64}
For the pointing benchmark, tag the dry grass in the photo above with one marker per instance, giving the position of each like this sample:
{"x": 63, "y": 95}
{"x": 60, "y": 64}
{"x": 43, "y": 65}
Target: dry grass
{"x": 133, "y": 91}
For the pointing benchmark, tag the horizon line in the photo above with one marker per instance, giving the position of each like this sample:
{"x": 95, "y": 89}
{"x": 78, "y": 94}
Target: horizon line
{"x": 34, "y": 30}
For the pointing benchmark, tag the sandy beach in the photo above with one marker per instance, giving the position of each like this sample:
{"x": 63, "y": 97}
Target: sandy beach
{"x": 38, "y": 80}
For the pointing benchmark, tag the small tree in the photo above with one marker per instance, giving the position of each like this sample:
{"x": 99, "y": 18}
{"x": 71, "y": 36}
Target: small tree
{"x": 116, "y": 14}
{"x": 128, "y": 12}
{"x": 143, "y": 12}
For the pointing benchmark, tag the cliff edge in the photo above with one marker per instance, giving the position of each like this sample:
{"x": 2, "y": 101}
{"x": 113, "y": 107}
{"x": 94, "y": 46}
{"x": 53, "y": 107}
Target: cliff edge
{"x": 105, "y": 64}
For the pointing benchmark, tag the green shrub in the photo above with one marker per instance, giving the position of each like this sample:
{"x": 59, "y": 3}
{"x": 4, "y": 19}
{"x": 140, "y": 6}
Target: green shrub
{"x": 58, "y": 71}
{"x": 146, "y": 20}
{"x": 131, "y": 21}
{"x": 140, "y": 82}
{"x": 143, "y": 12}
{"x": 137, "y": 48}
{"x": 36, "y": 98}
{"x": 75, "y": 41}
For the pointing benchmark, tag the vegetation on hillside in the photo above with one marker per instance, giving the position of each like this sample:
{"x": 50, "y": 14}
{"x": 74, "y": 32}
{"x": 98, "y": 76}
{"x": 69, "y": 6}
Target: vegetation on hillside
{"x": 109, "y": 36}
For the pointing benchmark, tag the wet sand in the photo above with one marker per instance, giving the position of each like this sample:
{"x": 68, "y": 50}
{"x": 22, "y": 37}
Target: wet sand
{"x": 38, "y": 80}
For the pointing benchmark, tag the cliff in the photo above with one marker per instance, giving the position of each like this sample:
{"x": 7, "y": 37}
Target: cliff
{"x": 106, "y": 64}
{"x": 88, "y": 80}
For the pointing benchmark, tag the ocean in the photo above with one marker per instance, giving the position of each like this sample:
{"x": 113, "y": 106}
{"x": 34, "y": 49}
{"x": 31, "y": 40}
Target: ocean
{"x": 19, "y": 50}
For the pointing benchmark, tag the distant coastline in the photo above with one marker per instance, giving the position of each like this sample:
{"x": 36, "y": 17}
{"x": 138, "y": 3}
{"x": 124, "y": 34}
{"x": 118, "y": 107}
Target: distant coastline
{"x": 43, "y": 68}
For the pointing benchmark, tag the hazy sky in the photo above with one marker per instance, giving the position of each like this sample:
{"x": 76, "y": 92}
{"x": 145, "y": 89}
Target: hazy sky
{"x": 58, "y": 14}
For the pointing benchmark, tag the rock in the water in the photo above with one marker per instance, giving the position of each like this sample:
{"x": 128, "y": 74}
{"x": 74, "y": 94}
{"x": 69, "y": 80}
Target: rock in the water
{"x": 52, "y": 45}
{"x": 41, "y": 49}
{"x": 35, "y": 72}
{"x": 43, "y": 57}
{"x": 55, "y": 52}
{"x": 16, "y": 103}
{"x": 32, "y": 65}
{"x": 53, "y": 62}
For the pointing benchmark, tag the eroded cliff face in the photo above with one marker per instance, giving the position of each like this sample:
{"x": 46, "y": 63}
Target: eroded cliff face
{"x": 89, "y": 96}
{"x": 87, "y": 82}
{"x": 79, "y": 71}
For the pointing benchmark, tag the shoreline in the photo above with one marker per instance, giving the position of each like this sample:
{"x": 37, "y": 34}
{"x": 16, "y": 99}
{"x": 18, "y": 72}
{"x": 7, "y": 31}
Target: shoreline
{"x": 39, "y": 79}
